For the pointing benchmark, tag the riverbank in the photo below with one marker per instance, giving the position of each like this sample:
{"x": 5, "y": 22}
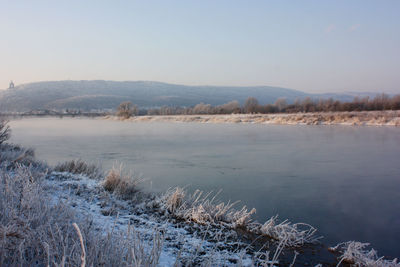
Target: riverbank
{"x": 362, "y": 118}
{"x": 118, "y": 224}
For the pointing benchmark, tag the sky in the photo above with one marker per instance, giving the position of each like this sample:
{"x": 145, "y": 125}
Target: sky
{"x": 313, "y": 46}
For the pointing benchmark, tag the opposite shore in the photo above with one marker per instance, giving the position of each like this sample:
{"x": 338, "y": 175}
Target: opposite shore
{"x": 356, "y": 118}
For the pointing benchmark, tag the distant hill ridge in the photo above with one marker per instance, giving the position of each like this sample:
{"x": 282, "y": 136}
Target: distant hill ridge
{"x": 102, "y": 95}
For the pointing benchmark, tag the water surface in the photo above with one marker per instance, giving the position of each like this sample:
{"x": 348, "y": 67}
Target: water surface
{"x": 343, "y": 180}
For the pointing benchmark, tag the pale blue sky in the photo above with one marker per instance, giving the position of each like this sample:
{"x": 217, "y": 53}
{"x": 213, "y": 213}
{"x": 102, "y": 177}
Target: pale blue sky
{"x": 314, "y": 46}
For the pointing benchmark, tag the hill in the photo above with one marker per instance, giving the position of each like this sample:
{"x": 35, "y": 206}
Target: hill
{"x": 101, "y": 95}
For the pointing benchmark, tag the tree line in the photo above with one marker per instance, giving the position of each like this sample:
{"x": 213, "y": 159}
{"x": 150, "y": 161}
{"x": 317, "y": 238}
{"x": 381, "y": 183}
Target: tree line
{"x": 251, "y": 105}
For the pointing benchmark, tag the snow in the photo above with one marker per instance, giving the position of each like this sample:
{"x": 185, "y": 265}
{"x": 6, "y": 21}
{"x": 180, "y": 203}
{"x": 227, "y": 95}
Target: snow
{"x": 356, "y": 118}
{"x": 186, "y": 241}
{"x": 89, "y": 199}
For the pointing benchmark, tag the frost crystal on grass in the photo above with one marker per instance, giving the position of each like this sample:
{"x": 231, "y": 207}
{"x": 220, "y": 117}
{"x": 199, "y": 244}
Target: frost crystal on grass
{"x": 200, "y": 208}
{"x": 357, "y": 254}
{"x": 296, "y": 234}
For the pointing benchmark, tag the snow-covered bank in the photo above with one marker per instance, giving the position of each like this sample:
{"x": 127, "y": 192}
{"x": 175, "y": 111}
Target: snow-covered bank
{"x": 89, "y": 199}
{"x": 367, "y": 118}
{"x": 184, "y": 241}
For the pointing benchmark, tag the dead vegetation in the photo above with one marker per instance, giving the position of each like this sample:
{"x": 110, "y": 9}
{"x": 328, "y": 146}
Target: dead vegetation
{"x": 11, "y": 156}
{"x": 36, "y": 232}
{"x": 201, "y": 208}
{"x": 120, "y": 183}
{"x": 357, "y": 254}
{"x": 294, "y": 234}
{"x": 204, "y": 209}
{"x": 79, "y": 166}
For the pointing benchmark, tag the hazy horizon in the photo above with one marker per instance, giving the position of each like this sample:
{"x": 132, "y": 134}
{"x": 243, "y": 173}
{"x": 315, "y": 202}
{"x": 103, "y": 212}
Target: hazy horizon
{"x": 313, "y": 46}
{"x": 208, "y": 85}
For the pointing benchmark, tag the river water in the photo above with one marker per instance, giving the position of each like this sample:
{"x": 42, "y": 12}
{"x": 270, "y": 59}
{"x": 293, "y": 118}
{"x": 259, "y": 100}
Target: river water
{"x": 344, "y": 180}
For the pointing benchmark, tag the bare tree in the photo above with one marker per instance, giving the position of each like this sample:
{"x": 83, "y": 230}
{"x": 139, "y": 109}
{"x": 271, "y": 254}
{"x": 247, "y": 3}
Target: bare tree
{"x": 202, "y": 109}
{"x": 126, "y": 109}
{"x": 396, "y": 102}
{"x": 280, "y": 104}
{"x": 229, "y": 108}
{"x": 308, "y": 105}
{"x": 251, "y": 105}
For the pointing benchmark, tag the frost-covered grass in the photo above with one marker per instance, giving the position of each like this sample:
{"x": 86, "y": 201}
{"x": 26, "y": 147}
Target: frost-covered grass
{"x": 268, "y": 259}
{"x": 204, "y": 209}
{"x": 35, "y": 231}
{"x": 121, "y": 183}
{"x": 294, "y": 234}
{"x": 14, "y": 155}
{"x": 200, "y": 208}
{"x": 79, "y": 166}
{"x": 357, "y": 254}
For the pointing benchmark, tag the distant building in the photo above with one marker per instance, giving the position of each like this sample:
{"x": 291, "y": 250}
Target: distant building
{"x": 11, "y": 85}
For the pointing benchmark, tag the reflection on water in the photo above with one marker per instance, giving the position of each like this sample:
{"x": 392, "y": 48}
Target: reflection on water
{"x": 343, "y": 180}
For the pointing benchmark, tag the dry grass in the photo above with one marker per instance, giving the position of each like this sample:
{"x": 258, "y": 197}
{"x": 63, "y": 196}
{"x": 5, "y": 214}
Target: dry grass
{"x": 295, "y": 235}
{"x": 266, "y": 260}
{"x": 34, "y": 232}
{"x": 357, "y": 254}
{"x": 200, "y": 208}
{"x": 120, "y": 183}
{"x": 80, "y": 167}
{"x": 13, "y": 155}
{"x": 143, "y": 255}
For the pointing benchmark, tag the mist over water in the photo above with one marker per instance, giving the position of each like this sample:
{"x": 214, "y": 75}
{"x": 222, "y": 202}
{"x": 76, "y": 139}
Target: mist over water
{"x": 343, "y": 180}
